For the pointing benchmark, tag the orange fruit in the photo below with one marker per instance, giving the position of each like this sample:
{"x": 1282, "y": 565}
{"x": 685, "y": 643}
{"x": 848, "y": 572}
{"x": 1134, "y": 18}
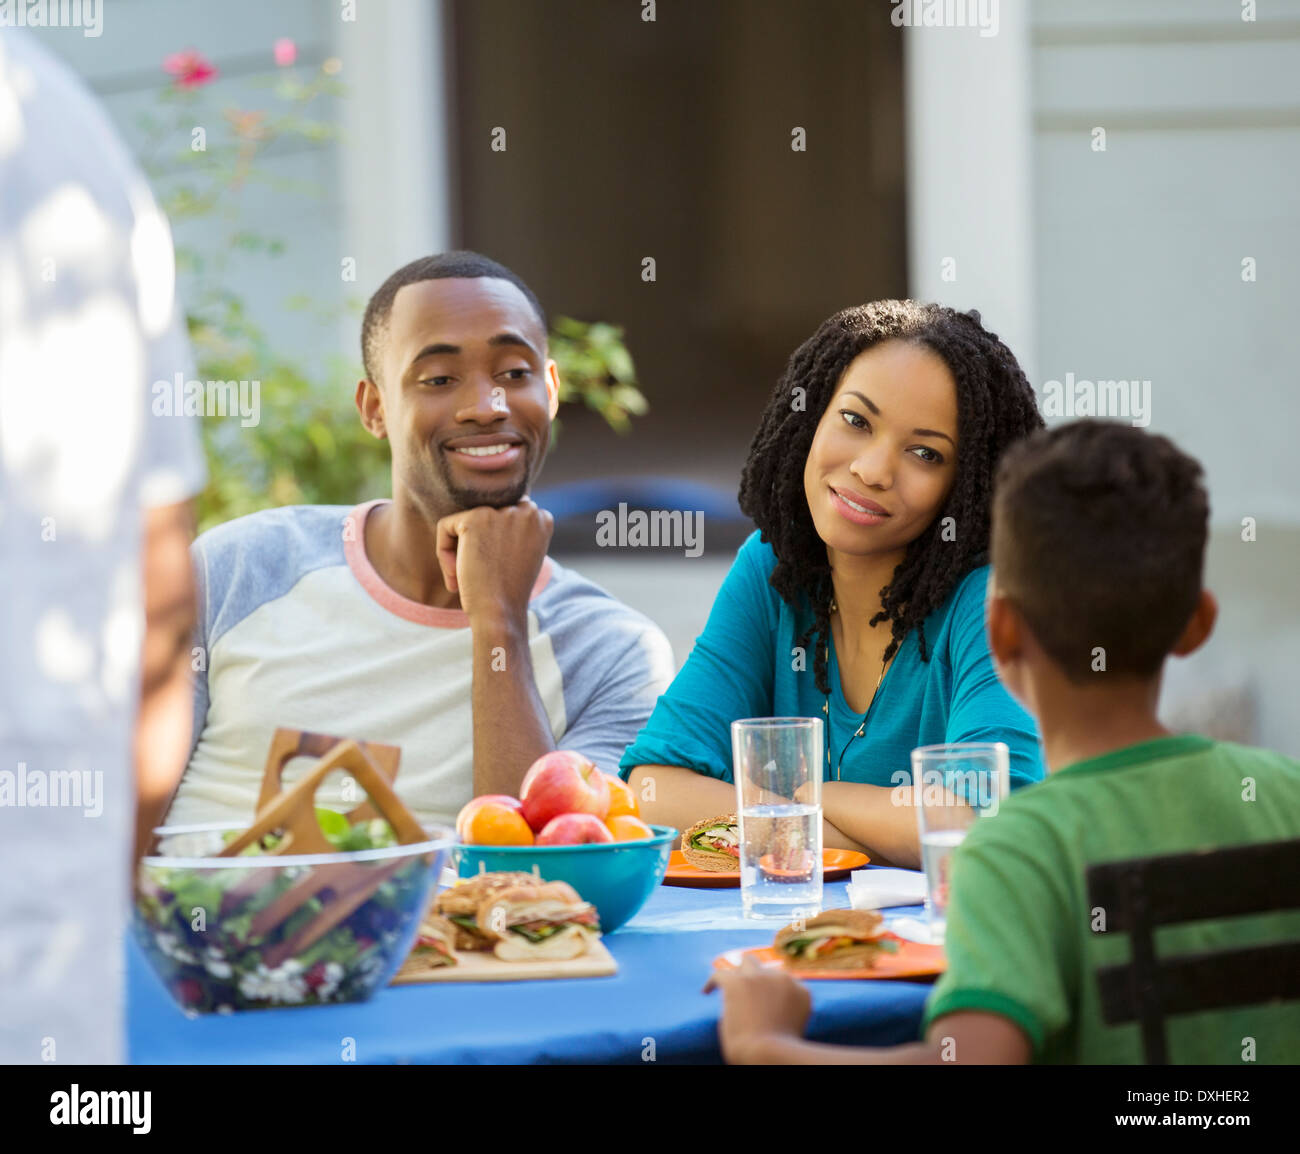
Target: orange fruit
{"x": 472, "y": 807}
{"x": 622, "y": 800}
{"x": 626, "y": 827}
{"x": 497, "y": 824}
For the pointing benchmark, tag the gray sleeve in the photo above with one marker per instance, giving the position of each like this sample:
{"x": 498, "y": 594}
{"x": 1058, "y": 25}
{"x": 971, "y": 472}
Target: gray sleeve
{"x": 621, "y": 694}
{"x": 172, "y": 467}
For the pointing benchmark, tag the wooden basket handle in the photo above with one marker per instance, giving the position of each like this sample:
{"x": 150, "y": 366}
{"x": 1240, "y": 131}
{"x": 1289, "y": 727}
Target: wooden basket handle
{"x": 290, "y": 743}
{"x": 294, "y": 810}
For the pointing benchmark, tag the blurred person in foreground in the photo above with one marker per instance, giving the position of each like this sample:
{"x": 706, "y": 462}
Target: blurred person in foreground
{"x": 95, "y": 525}
{"x": 1099, "y": 533}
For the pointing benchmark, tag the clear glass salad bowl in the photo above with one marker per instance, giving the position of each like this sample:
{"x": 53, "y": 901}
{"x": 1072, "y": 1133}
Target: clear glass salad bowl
{"x": 259, "y": 930}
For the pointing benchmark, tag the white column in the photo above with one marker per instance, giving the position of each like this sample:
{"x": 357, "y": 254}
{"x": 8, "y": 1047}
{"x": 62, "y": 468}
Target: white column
{"x": 395, "y": 152}
{"x": 969, "y": 172}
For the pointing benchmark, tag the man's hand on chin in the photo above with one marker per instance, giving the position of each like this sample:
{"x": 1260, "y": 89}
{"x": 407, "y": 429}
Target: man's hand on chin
{"x": 491, "y": 557}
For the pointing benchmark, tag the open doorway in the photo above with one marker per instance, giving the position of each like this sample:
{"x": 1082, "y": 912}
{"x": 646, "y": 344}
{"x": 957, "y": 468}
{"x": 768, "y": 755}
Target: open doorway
{"x": 672, "y": 140}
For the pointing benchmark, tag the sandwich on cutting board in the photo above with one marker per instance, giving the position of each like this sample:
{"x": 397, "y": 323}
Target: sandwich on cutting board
{"x": 713, "y": 844}
{"x": 539, "y": 921}
{"x": 435, "y": 945}
{"x": 835, "y": 940}
{"x": 460, "y": 905}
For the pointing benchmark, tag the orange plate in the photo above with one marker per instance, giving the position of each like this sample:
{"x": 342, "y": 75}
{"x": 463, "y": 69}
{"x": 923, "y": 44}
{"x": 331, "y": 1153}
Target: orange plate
{"x": 837, "y": 864}
{"x": 913, "y": 960}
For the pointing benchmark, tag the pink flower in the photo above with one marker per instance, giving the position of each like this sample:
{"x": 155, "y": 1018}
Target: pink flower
{"x": 189, "y": 69}
{"x": 286, "y": 52}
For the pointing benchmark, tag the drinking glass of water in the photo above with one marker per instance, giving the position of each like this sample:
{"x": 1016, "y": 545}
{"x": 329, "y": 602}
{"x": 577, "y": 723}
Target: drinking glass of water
{"x": 953, "y": 786}
{"x": 778, "y": 771}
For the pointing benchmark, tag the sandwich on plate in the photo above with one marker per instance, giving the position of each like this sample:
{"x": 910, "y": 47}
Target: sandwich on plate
{"x": 539, "y": 921}
{"x": 835, "y": 940}
{"x": 460, "y": 904}
{"x": 713, "y": 844}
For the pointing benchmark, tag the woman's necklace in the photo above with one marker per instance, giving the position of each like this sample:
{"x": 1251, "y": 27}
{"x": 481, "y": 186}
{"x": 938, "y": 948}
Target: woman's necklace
{"x": 826, "y": 709}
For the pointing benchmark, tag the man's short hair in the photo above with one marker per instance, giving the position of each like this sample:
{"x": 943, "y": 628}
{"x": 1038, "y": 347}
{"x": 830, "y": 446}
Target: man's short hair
{"x": 1099, "y": 534}
{"x": 460, "y": 263}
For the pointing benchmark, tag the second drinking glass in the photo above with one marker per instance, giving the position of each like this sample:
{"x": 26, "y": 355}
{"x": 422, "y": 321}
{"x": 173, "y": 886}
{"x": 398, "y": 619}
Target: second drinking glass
{"x": 777, "y": 763}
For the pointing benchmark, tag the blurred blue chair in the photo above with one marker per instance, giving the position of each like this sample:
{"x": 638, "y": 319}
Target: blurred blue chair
{"x": 575, "y": 504}
{"x": 575, "y": 498}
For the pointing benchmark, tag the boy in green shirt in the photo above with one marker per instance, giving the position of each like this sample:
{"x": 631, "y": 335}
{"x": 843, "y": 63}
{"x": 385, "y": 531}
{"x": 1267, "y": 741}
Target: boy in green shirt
{"x": 1099, "y": 534}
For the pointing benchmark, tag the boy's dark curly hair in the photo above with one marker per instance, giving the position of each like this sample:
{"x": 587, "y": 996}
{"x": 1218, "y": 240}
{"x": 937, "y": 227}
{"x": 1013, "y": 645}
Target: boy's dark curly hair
{"x": 1099, "y": 533}
{"x": 995, "y": 407}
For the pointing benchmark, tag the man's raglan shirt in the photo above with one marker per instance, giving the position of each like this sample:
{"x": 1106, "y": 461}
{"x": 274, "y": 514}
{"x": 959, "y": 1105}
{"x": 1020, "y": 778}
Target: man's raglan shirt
{"x": 297, "y": 629}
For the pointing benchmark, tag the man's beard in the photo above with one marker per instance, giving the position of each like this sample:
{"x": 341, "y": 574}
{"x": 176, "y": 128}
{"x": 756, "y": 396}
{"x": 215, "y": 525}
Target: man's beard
{"x": 463, "y": 497}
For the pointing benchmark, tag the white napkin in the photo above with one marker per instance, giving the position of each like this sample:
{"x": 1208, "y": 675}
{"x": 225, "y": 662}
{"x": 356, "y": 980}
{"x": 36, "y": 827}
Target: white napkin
{"x": 879, "y": 888}
{"x": 913, "y": 929}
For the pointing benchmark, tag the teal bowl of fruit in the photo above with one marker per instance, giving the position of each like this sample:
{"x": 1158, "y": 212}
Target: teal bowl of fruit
{"x": 261, "y": 930}
{"x": 615, "y": 877}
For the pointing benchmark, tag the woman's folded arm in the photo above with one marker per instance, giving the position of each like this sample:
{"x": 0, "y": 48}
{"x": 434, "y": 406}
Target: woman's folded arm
{"x": 680, "y": 797}
{"x": 879, "y": 820}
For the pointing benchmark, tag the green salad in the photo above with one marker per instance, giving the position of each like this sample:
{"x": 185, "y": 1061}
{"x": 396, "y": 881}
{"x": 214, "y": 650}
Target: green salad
{"x": 346, "y": 838}
{"x": 196, "y": 925}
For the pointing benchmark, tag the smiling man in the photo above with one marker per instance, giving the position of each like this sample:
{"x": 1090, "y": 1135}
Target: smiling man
{"x": 434, "y": 621}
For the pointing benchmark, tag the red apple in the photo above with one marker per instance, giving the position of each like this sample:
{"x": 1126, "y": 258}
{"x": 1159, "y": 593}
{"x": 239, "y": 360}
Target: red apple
{"x": 574, "y": 829}
{"x": 472, "y": 807}
{"x": 563, "y": 782}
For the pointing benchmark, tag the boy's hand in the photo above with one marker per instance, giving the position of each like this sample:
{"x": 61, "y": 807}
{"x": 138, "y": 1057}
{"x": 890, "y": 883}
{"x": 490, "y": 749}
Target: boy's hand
{"x": 758, "y": 1003}
{"x": 491, "y": 557}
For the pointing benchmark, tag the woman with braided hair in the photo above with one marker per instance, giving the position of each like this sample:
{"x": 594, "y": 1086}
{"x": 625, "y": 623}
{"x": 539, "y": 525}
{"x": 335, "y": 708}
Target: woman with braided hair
{"x": 860, "y": 599}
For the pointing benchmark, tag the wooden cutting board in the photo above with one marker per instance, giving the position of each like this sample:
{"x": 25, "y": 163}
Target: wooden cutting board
{"x": 474, "y": 966}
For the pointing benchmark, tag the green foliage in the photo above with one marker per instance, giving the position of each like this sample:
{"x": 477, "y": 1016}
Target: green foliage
{"x": 596, "y": 369}
{"x": 309, "y": 446}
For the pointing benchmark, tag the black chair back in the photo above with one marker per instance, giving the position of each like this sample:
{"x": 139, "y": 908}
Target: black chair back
{"x": 1136, "y": 897}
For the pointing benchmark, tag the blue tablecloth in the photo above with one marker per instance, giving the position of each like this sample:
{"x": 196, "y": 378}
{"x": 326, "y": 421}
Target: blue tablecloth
{"x": 653, "y": 1005}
